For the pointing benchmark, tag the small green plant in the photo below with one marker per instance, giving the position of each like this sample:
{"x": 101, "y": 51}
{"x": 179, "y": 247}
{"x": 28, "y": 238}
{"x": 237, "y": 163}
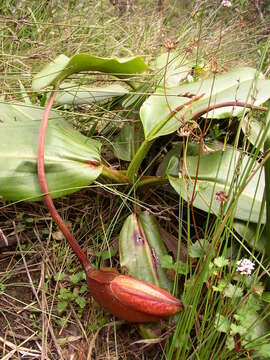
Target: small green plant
{"x": 243, "y": 316}
{"x": 73, "y": 290}
{"x": 2, "y": 288}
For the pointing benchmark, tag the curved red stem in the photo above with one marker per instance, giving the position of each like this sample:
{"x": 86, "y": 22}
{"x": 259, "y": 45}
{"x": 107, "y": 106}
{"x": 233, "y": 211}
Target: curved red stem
{"x": 226, "y": 104}
{"x": 45, "y": 190}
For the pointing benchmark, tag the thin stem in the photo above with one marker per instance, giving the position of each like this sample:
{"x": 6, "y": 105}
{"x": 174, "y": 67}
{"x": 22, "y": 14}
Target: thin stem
{"x": 202, "y": 134}
{"x": 114, "y": 175}
{"x": 45, "y": 190}
{"x": 120, "y": 178}
{"x": 173, "y": 113}
{"x": 131, "y": 84}
{"x": 194, "y": 192}
{"x": 135, "y": 164}
{"x": 226, "y": 104}
{"x": 151, "y": 181}
{"x": 267, "y": 191}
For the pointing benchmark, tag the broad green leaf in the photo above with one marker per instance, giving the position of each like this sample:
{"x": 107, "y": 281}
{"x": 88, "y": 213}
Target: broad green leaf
{"x": 63, "y": 66}
{"x": 178, "y": 266}
{"x": 65, "y": 294}
{"x": 175, "y": 66}
{"x": 128, "y": 142}
{"x": 79, "y": 276}
{"x": 255, "y": 130}
{"x": 72, "y": 161}
{"x": 233, "y": 291}
{"x": 24, "y": 94}
{"x": 221, "y": 285}
{"x": 221, "y": 261}
{"x": 199, "y": 248}
{"x": 151, "y": 331}
{"x": 62, "y": 306}
{"x": 167, "y": 262}
{"x": 248, "y": 232}
{"x": 263, "y": 349}
{"x": 176, "y": 151}
{"x": 60, "y": 276}
{"x": 106, "y": 254}
{"x": 237, "y": 329}
{"x": 70, "y": 93}
{"x": 222, "y": 323}
{"x": 266, "y": 296}
{"x": 230, "y": 344}
{"x": 141, "y": 248}
{"x": 190, "y": 99}
{"x": 217, "y": 175}
{"x": 80, "y": 301}
{"x": 13, "y": 112}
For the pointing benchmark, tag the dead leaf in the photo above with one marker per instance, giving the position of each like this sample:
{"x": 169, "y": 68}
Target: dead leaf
{"x": 171, "y": 243}
{"x": 58, "y": 235}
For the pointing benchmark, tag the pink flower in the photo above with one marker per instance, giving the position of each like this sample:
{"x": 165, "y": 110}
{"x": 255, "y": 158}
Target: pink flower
{"x": 245, "y": 266}
{"x": 227, "y": 3}
{"x": 221, "y": 196}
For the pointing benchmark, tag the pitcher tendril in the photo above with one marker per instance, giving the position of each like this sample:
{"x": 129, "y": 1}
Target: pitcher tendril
{"x": 125, "y": 297}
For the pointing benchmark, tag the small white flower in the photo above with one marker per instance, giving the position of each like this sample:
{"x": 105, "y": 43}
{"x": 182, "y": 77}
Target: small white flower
{"x": 245, "y": 266}
{"x": 227, "y": 3}
{"x": 190, "y": 78}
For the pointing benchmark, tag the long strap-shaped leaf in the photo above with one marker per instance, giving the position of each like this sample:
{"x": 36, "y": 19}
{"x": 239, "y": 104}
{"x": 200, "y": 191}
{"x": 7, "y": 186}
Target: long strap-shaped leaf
{"x": 72, "y": 160}
{"x": 70, "y": 93}
{"x": 216, "y": 177}
{"x": 63, "y": 66}
{"x": 163, "y": 114}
